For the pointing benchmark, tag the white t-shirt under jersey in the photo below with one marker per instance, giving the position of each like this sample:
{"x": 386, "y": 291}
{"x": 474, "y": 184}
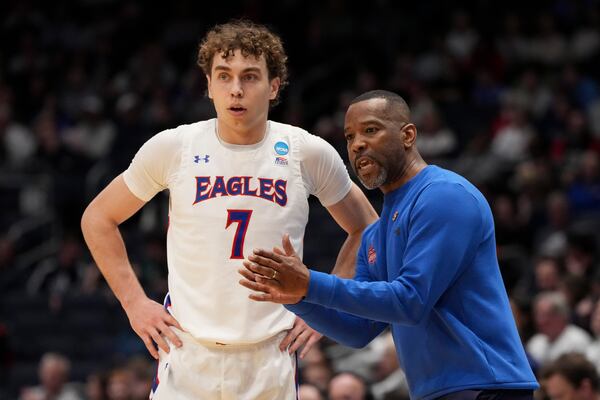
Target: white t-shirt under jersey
{"x": 226, "y": 200}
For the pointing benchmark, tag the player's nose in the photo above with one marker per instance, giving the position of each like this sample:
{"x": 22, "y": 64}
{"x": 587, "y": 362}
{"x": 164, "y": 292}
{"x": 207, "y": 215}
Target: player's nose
{"x": 236, "y": 88}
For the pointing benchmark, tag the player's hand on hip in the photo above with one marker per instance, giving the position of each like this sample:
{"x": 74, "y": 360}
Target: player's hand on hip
{"x": 279, "y": 275}
{"x": 152, "y": 324}
{"x": 300, "y": 335}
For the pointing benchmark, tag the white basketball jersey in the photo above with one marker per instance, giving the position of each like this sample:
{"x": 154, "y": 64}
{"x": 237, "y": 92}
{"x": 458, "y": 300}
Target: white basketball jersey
{"x": 226, "y": 200}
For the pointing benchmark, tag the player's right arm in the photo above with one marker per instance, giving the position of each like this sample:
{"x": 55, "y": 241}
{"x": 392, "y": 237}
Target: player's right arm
{"x": 100, "y": 227}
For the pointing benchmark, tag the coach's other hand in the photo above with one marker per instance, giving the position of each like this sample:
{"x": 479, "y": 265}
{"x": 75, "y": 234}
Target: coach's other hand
{"x": 278, "y": 275}
{"x": 151, "y": 322}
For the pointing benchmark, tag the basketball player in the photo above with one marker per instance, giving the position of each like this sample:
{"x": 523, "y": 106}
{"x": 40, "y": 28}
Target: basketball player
{"x": 236, "y": 183}
{"x": 427, "y": 269}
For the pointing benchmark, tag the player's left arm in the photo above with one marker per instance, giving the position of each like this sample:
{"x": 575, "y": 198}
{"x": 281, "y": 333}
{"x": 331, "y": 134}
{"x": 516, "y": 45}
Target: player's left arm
{"x": 353, "y": 214}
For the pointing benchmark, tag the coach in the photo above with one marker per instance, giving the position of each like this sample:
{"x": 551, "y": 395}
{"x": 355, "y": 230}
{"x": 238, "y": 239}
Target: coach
{"x": 428, "y": 268}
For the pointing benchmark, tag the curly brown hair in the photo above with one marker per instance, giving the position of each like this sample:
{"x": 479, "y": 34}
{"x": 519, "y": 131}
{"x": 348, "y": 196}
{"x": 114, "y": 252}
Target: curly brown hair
{"x": 251, "y": 39}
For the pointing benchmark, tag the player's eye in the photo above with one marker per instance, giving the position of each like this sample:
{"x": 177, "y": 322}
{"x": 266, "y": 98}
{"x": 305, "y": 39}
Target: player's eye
{"x": 250, "y": 77}
{"x": 223, "y": 76}
{"x": 370, "y": 129}
{"x": 349, "y": 137}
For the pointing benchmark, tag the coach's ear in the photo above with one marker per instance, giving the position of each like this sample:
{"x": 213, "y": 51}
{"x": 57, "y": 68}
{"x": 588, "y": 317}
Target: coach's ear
{"x": 409, "y": 135}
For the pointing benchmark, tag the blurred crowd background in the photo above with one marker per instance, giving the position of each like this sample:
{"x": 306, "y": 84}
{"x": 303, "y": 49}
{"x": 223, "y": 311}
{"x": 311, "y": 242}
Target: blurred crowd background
{"x": 505, "y": 93}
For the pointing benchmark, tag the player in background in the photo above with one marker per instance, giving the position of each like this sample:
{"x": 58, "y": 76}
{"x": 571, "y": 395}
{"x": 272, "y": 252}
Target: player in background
{"x": 235, "y": 183}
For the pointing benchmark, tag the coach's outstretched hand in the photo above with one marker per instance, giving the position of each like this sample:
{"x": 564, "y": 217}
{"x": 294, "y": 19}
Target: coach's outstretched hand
{"x": 279, "y": 275}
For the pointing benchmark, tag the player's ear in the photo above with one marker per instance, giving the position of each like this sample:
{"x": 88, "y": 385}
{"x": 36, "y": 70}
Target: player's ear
{"x": 275, "y": 83}
{"x": 208, "y": 87}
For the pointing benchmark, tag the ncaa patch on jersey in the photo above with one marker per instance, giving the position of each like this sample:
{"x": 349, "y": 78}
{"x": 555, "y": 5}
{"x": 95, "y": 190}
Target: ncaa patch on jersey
{"x": 281, "y": 161}
{"x": 281, "y": 148}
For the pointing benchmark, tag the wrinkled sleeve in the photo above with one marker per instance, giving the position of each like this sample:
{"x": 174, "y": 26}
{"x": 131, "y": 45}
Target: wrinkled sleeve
{"x": 343, "y": 327}
{"x": 323, "y": 170}
{"x": 153, "y": 165}
{"x": 444, "y": 233}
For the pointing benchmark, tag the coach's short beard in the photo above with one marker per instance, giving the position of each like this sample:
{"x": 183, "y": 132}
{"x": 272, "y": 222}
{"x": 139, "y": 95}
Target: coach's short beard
{"x": 376, "y": 182}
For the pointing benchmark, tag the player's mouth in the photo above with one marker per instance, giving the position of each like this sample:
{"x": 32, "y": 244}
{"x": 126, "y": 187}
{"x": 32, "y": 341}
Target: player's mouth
{"x": 237, "y": 110}
{"x": 364, "y": 165}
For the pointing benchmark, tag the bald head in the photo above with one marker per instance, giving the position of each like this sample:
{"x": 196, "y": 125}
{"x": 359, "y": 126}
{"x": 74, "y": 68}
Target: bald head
{"x": 396, "y": 107}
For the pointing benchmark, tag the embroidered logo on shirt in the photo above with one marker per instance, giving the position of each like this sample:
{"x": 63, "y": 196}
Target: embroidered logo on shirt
{"x": 372, "y": 255}
{"x": 198, "y": 158}
{"x": 281, "y": 161}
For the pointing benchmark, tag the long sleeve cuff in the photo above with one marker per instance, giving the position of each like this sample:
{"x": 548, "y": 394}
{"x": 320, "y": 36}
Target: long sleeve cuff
{"x": 301, "y": 308}
{"x": 320, "y": 288}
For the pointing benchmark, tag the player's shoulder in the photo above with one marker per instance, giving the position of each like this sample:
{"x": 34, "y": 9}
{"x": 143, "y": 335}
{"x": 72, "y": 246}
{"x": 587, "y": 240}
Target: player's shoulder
{"x": 280, "y": 129}
{"x": 175, "y": 136}
{"x": 200, "y": 127}
{"x": 306, "y": 141}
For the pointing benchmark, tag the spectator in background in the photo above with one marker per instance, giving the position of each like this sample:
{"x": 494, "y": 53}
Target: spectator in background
{"x": 53, "y": 372}
{"x": 509, "y": 227}
{"x": 512, "y": 140}
{"x": 521, "y": 310}
{"x": 389, "y": 378}
{"x": 548, "y": 274}
{"x": 307, "y": 391}
{"x": 17, "y": 143}
{"x": 584, "y": 191}
{"x": 142, "y": 373}
{"x": 348, "y": 386}
{"x": 119, "y": 384}
{"x": 571, "y": 377}
{"x": 462, "y": 38}
{"x": 93, "y": 134}
{"x": 551, "y": 237}
{"x": 316, "y": 369}
{"x": 548, "y": 46}
{"x": 581, "y": 254}
{"x": 435, "y": 141}
{"x": 95, "y": 386}
{"x": 62, "y": 273}
{"x": 557, "y": 335}
{"x": 593, "y": 350}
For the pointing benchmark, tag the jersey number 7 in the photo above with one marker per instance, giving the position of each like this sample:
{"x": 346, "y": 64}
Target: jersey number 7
{"x": 242, "y": 217}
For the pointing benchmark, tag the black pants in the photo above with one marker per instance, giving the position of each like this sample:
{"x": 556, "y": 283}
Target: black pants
{"x": 498, "y": 394}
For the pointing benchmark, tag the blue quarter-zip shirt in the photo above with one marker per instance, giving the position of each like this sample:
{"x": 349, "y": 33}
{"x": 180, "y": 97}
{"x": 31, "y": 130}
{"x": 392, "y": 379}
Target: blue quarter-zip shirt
{"x": 428, "y": 268}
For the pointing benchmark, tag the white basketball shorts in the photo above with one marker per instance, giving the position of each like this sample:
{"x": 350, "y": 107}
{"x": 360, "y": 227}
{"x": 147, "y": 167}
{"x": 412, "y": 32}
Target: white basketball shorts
{"x": 210, "y": 371}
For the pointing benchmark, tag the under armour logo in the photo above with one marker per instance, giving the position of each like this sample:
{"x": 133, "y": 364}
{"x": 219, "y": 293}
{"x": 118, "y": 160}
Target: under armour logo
{"x": 198, "y": 158}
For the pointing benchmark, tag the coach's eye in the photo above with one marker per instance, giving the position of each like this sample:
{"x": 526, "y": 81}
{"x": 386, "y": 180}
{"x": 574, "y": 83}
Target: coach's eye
{"x": 370, "y": 129}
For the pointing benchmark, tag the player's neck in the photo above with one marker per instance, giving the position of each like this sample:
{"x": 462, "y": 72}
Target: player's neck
{"x": 241, "y": 134}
